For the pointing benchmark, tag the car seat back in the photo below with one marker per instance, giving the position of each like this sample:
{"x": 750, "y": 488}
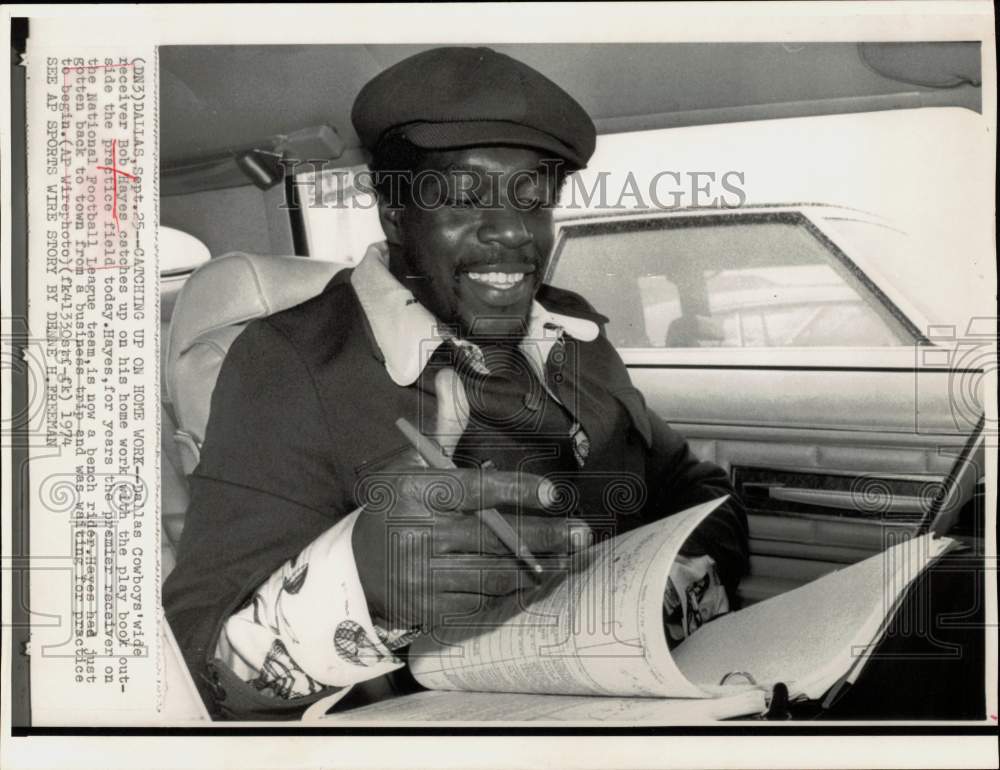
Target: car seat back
{"x": 219, "y": 299}
{"x": 178, "y": 251}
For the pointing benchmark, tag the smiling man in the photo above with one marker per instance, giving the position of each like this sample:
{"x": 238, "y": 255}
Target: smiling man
{"x": 317, "y": 543}
{"x": 472, "y": 239}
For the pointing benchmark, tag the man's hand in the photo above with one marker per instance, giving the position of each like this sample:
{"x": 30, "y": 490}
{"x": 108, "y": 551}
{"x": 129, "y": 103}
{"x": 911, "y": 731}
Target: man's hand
{"x": 421, "y": 552}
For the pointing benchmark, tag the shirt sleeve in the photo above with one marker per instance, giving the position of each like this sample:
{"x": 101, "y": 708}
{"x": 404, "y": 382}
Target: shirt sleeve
{"x": 264, "y": 490}
{"x": 307, "y": 627}
{"x": 694, "y": 595}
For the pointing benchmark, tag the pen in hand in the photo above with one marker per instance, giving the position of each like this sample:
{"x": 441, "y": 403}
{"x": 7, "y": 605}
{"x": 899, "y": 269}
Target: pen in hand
{"x": 433, "y": 455}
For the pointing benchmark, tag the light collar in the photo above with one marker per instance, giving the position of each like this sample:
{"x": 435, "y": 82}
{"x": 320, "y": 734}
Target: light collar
{"x": 407, "y": 333}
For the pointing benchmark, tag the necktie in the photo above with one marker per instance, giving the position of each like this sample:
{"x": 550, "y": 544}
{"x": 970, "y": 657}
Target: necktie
{"x": 513, "y": 423}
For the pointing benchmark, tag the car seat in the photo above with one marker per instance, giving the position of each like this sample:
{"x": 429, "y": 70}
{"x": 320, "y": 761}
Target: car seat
{"x": 218, "y": 300}
{"x": 176, "y": 249}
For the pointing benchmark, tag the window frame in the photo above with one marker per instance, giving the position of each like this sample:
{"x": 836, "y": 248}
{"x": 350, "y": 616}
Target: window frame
{"x": 902, "y": 356}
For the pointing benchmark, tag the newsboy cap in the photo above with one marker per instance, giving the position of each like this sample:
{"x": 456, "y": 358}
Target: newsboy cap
{"x": 453, "y": 97}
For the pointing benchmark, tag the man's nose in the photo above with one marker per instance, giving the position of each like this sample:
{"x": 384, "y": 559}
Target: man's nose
{"x": 506, "y": 228}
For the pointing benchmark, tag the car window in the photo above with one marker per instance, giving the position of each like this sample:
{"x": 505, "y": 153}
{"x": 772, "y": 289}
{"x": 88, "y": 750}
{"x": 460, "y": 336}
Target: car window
{"x": 754, "y": 280}
{"x": 341, "y": 219}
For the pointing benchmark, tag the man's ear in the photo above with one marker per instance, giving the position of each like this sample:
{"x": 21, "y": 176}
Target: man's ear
{"x": 389, "y": 217}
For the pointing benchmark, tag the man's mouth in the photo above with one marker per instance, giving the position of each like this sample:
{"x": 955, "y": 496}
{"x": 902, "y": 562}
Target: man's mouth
{"x": 499, "y": 277}
{"x": 497, "y": 280}
{"x": 500, "y": 287}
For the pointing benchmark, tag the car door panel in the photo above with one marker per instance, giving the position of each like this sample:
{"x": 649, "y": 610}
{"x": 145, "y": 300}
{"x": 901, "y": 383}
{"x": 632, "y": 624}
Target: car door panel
{"x": 833, "y": 466}
{"x": 897, "y": 396}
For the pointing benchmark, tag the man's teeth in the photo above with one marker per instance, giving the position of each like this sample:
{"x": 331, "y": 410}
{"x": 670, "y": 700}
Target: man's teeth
{"x": 498, "y": 280}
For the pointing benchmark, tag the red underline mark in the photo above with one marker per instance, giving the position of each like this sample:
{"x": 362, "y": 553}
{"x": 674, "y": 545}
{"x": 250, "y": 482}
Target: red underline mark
{"x": 113, "y": 168}
{"x": 66, "y": 175}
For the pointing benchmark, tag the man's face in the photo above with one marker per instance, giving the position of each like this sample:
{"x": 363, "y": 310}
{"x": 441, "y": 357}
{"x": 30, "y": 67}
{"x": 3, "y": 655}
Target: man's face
{"x": 474, "y": 237}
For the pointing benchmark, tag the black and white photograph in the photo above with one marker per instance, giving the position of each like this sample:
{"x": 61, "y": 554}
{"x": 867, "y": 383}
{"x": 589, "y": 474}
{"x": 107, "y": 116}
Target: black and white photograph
{"x": 500, "y": 378}
{"x": 665, "y": 339}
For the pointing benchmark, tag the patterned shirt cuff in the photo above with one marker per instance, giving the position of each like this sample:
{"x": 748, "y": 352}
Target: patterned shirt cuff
{"x": 307, "y": 627}
{"x": 694, "y": 596}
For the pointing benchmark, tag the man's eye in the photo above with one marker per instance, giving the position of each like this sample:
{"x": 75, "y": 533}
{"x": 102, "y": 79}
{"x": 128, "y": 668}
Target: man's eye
{"x": 537, "y": 202}
{"x": 461, "y": 202}
{"x": 532, "y": 199}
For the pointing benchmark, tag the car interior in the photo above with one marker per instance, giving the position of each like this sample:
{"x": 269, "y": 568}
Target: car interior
{"x": 836, "y": 432}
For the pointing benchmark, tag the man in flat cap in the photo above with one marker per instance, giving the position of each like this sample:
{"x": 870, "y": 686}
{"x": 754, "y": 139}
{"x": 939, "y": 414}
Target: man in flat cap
{"x": 303, "y": 571}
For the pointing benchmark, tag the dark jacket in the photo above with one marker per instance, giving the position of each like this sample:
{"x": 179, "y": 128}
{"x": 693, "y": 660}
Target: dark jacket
{"x": 302, "y": 407}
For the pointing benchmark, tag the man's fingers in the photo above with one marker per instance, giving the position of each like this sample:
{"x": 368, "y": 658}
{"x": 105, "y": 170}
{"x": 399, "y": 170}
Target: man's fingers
{"x": 520, "y": 489}
{"x": 458, "y": 604}
{"x": 542, "y": 536}
{"x": 465, "y": 534}
{"x": 471, "y": 489}
{"x": 503, "y": 579}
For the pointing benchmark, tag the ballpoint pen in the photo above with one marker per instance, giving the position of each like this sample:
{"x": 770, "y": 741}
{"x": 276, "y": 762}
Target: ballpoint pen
{"x": 435, "y": 457}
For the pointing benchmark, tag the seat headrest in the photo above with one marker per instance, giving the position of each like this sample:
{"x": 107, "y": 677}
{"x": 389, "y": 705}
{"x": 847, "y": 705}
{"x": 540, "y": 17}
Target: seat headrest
{"x": 217, "y": 300}
{"x": 179, "y": 250}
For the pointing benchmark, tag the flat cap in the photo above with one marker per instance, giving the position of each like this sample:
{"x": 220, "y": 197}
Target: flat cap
{"x": 453, "y": 97}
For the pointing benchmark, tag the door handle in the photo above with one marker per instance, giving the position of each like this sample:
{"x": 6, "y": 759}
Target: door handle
{"x": 848, "y": 501}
